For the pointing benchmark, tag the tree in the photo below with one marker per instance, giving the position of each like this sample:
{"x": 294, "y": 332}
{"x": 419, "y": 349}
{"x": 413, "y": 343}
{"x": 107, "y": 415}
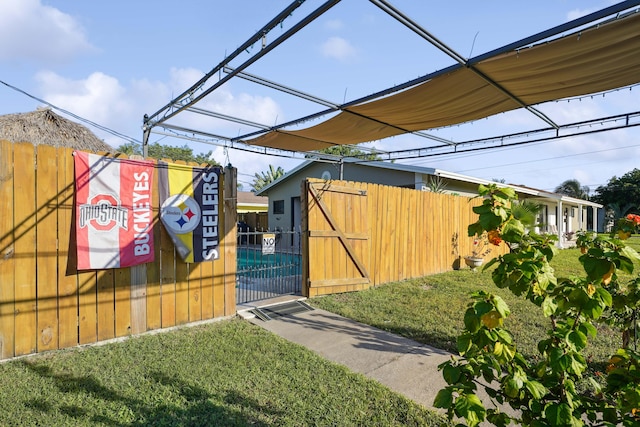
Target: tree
{"x": 263, "y": 179}
{"x": 543, "y": 389}
{"x": 157, "y": 151}
{"x": 621, "y": 191}
{"x": 348, "y": 151}
{"x": 573, "y": 188}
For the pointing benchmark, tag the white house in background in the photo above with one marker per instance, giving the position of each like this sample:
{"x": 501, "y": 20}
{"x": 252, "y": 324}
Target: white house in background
{"x": 561, "y": 214}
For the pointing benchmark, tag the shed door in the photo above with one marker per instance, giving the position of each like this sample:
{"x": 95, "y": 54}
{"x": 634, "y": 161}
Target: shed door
{"x": 336, "y": 243}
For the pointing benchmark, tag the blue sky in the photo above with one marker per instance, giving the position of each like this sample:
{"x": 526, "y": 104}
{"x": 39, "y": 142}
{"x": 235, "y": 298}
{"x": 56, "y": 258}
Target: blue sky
{"x": 112, "y": 62}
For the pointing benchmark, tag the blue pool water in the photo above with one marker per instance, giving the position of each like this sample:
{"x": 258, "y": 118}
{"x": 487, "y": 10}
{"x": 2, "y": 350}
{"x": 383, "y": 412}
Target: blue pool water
{"x": 249, "y": 258}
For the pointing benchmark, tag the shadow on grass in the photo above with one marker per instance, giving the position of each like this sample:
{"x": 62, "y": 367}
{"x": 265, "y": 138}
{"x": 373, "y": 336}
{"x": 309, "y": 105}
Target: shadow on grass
{"x": 191, "y": 405}
{"x": 361, "y": 336}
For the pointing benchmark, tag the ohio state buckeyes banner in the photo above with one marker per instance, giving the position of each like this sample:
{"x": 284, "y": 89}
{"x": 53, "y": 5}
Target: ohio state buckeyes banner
{"x": 189, "y": 206}
{"x": 113, "y": 211}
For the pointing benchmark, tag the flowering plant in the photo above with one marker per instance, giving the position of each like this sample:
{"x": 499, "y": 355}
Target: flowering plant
{"x": 627, "y": 225}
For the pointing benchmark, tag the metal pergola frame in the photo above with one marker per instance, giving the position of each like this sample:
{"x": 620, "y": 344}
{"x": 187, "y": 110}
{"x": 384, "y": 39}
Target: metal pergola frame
{"x": 187, "y": 100}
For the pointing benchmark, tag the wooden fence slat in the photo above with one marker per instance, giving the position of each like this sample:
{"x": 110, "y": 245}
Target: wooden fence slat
{"x": 391, "y": 252}
{"x": 87, "y": 302}
{"x": 349, "y": 227}
{"x": 195, "y": 292}
{"x": 87, "y": 307}
{"x": 182, "y": 291}
{"x": 46, "y": 247}
{"x": 376, "y": 226}
{"x": 167, "y": 280}
{"x": 138, "y": 299}
{"x": 304, "y": 237}
{"x": 218, "y": 285}
{"x": 67, "y": 280}
{"x": 138, "y": 309}
{"x": 24, "y": 211}
{"x": 364, "y": 251}
{"x": 206, "y": 286}
{"x": 7, "y": 253}
{"x": 341, "y": 220}
{"x": 154, "y": 301}
{"x": 229, "y": 219}
{"x": 106, "y": 303}
{"x": 123, "y": 301}
{"x": 218, "y": 274}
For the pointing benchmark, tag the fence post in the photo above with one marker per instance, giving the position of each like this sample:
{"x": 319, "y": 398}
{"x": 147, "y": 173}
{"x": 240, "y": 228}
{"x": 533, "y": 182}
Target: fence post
{"x": 230, "y": 238}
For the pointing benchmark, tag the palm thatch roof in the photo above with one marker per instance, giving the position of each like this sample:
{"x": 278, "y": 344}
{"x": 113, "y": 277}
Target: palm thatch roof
{"x": 43, "y": 126}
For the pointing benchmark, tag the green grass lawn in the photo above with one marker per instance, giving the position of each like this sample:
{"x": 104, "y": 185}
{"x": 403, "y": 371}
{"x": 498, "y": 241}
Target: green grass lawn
{"x": 229, "y": 373}
{"x": 430, "y": 310}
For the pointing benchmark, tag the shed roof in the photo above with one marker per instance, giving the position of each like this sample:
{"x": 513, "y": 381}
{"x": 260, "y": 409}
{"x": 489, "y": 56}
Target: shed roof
{"x": 249, "y": 197}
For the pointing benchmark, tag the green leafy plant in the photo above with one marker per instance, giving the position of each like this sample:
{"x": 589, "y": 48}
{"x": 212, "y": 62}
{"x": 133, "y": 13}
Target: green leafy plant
{"x": 435, "y": 184}
{"x": 541, "y": 390}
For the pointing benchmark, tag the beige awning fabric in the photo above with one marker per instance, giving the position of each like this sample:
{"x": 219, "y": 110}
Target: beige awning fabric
{"x": 595, "y": 60}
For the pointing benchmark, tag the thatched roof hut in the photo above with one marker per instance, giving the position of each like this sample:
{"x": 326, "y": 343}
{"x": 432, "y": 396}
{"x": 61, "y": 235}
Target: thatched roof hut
{"x": 43, "y": 126}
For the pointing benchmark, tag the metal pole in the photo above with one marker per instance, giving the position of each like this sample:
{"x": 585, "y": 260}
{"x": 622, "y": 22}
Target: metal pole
{"x": 145, "y": 138}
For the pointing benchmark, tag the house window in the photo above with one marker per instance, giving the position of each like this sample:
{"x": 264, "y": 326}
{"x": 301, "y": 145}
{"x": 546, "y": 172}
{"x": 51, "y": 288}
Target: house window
{"x": 278, "y": 207}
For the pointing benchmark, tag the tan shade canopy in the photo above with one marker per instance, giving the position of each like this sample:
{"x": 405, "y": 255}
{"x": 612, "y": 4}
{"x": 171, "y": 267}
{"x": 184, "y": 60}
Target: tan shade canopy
{"x": 595, "y": 60}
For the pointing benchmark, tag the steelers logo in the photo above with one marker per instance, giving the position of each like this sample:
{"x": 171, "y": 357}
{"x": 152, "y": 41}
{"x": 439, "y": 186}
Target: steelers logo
{"x": 180, "y": 213}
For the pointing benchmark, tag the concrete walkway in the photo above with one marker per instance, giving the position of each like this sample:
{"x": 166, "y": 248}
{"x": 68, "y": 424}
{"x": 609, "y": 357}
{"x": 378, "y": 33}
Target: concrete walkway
{"x": 403, "y": 365}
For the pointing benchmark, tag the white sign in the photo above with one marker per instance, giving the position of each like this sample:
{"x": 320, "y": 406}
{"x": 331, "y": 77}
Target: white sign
{"x": 268, "y": 243}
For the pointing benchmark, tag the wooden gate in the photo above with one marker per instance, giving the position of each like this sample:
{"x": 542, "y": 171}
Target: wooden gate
{"x": 357, "y": 235}
{"x": 336, "y": 244}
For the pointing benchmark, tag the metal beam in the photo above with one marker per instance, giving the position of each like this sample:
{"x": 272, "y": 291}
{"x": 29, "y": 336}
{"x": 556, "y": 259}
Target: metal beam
{"x": 282, "y": 88}
{"x": 255, "y": 38}
{"x": 416, "y": 28}
{"x": 226, "y": 117}
{"x": 300, "y": 94}
{"x": 499, "y": 141}
{"x": 628, "y": 119}
{"x": 266, "y": 49}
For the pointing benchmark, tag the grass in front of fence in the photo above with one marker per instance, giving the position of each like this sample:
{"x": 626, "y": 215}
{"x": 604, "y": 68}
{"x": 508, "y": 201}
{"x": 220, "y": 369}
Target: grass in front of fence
{"x": 431, "y": 309}
{"x": 229, "y": 373}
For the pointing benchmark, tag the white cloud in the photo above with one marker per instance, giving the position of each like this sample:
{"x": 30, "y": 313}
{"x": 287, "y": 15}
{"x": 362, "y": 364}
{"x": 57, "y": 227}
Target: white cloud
{"x": 254, "y": 108}
{"x": 30, "y": 30}
{"x": 99, "y": 97}
{"x": 105, "y": 100}
{"x": 338, "y": 48}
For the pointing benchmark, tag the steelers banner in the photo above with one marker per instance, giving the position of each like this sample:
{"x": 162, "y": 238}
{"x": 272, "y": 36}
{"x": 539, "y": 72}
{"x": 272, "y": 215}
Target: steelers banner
{"x": 113, "y": 211}
{"x": 189, "y": 206}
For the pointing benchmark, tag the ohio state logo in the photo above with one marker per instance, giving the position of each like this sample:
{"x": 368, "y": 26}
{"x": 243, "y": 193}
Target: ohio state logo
{"x": 103, "y": 212}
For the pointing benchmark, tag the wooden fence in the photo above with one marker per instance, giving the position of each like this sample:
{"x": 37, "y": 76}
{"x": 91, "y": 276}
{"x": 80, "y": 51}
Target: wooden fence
{"x": 45, "y": 304}
{"x": 358, "y": 235}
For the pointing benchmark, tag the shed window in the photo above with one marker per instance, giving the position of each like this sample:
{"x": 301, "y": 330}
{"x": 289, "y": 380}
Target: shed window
{"x": 278, "y": 207}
